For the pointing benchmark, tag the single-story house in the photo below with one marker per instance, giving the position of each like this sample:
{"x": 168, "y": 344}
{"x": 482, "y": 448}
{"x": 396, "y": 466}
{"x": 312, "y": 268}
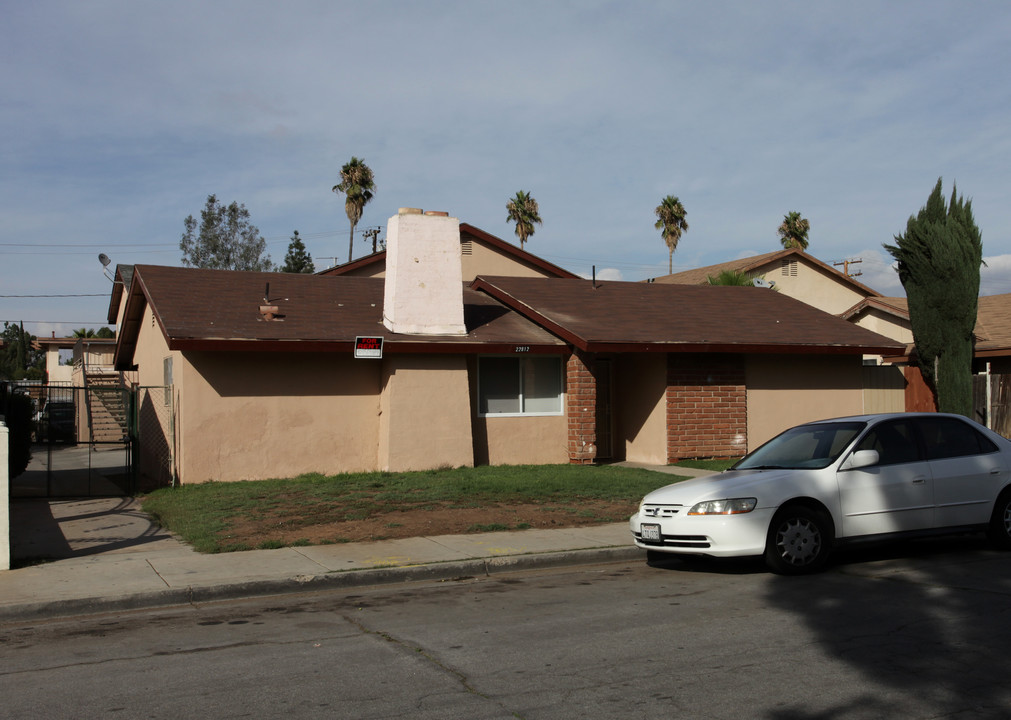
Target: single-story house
{"x": 277, "y": 374}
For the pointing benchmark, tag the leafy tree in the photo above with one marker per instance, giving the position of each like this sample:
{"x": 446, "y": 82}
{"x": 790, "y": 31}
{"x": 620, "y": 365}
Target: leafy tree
{"x": 105, "y": 333}
{"x": 524, "y": 212}
{"x": 297, "y": 260}
{"x": 226, "y": 240}
{"x": 793, "y": 231}
{"x": 939, "y": 257}
{"x": 19, "y": 358}
{"x": 671, "y": 223}
{"x": 358, "y": 185}
{"x": 737, "y": 278}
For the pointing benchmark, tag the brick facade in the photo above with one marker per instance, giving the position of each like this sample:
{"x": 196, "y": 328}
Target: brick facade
{"x": 581, "y": 402}
{"x": 707, "y": 409}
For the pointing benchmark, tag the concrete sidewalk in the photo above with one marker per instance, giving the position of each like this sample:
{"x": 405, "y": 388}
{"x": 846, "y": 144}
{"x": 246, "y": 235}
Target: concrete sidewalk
{"x": 111, "y": 557}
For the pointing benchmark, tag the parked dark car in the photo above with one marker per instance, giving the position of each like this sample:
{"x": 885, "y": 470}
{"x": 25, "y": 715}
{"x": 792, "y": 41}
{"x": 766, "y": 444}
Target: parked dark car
{"x": 56, "y": 423}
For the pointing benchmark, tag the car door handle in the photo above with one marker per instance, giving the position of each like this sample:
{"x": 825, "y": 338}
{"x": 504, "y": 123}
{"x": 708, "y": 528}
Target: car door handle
{"x": 995, "y": 471}
{"x": 919, "y": 480}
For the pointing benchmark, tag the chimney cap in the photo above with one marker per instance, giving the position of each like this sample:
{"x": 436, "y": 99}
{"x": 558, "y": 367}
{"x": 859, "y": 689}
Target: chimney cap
{"x": 436, "y": 213}
{"x": 409, "y": 211}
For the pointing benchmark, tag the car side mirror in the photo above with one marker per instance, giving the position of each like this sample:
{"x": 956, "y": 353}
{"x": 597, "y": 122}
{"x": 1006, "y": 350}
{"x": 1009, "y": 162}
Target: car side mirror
{"x": 861, "y": 458}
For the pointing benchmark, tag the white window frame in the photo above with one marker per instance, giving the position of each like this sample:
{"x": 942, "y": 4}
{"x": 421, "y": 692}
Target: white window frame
{"x": 521, "y": 362}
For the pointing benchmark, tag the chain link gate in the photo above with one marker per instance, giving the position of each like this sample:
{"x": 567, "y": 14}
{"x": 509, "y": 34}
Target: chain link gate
{"x": 153, "y": 429}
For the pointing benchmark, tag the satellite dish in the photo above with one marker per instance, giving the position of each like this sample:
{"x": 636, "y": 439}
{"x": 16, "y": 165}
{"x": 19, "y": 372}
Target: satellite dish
{"x": 104, "y": 259}
{"x": 760, "y": 282}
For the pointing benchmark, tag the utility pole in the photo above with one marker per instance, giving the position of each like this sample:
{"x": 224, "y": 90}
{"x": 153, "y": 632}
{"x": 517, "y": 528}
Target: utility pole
{"x": 846, "y": 267}
{"x": 372, "y": 233}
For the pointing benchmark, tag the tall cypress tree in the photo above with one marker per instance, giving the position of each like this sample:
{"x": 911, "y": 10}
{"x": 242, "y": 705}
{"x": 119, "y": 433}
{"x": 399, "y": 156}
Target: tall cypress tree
{"x": 297, "y": 260}
{"x": 939, "y": 257}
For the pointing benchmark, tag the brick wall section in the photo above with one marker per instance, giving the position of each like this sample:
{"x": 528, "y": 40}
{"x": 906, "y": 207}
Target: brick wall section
{"x": 581, "y": 403}
{"x": 707, "y": 407}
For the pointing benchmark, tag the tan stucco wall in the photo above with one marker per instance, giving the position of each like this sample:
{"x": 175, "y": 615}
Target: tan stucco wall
{"x": 517, "y": 440}
{"x": 784, "y": 391}
{"x": 425, "y": 421}
{"x": 640, "y": 407}
{"x": 814, "y": 287}
{"x": 521, "y": 440}
{"x": 887, "y": 325}
{"x": 246, "y": 416}
{"x": 485, "y": 260}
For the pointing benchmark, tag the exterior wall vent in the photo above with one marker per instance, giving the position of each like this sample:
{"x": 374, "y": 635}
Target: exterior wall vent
{"x": 788, "y": 268}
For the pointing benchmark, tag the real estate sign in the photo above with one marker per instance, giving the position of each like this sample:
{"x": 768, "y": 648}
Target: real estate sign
{"x": 368, "y": 347}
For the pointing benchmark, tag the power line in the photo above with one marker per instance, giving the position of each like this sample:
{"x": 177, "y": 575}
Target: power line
{"x": 56, "y": 296}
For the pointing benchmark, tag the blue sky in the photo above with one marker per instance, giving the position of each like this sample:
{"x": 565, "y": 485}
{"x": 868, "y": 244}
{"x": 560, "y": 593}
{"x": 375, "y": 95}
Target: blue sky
{"x": 119, "y": 118}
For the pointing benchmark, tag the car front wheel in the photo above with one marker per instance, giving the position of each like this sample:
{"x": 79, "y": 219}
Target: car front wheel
{"x": 798, "y": 542}
{"x": 999, "y": 530}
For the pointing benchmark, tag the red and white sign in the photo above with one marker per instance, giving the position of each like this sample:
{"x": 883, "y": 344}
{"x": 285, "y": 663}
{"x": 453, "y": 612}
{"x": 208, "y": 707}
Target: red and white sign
{"x": 368, "y": 347}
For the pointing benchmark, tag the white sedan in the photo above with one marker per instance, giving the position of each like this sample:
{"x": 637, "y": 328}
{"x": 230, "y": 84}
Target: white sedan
{"x": 825, "y": 483}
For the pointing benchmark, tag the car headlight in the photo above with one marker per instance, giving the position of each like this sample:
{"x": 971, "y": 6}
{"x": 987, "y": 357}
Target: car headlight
{"x": 731, "y": 506}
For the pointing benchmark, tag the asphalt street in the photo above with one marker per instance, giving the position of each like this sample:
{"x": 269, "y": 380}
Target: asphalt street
{"x": 918, "y": 630}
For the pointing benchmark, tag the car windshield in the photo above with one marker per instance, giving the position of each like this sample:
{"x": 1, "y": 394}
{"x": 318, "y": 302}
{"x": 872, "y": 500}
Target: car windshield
{"x": 806, "y": 446}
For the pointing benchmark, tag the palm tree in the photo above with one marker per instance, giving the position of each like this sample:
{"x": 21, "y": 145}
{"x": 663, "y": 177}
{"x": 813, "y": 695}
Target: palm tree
{"x": 358, "y": 185}
{"x": 84, "y": 333}
{"x": 793, "y": 232}
{"x": 524, "y": 212}
{"x": 671, "y": 224}
{"x": 731, "y": 277}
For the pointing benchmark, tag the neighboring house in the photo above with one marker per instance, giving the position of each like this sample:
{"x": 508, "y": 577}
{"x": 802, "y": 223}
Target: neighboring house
{"x": 481, "y": 253}
{"x": 799, "y": 275}
{"x": 266, "y": 380}
{"x": 83, "y": 384}
{"x": 793, "y": 273}
{"x": 889, "y": 316}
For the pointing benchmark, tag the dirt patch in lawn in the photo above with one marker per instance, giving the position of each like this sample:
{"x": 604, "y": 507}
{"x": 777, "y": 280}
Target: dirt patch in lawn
{"x": 280, "y": 530}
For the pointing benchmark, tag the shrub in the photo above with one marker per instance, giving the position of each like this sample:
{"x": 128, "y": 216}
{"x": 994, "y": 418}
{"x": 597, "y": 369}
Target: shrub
{"x": 19, "y": 424}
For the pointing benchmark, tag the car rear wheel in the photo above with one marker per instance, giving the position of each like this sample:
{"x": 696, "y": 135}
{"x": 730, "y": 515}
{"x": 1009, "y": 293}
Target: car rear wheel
{"x": 999, "y": 530}
{"x": 799, "y": 541}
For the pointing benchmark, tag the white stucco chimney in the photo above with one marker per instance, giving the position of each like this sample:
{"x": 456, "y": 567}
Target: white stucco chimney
{"x": 424, "y": 277}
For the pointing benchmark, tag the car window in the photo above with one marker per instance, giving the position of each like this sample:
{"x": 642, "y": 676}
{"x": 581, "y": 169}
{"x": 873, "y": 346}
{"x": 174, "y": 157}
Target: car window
{"x": 895, "y": 442}
{"x": 806, "y": 446}
{"x": 948, "y": 437}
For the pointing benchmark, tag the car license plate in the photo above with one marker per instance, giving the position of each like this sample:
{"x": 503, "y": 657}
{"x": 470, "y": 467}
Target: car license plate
{"x": 650, "y": 532}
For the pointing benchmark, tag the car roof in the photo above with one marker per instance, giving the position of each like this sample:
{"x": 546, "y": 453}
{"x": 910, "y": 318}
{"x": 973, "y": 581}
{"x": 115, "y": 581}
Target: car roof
{"x": 878, "y": 417}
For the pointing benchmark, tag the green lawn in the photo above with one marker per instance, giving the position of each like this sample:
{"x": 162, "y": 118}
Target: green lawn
{"x": 714, "y": 465}
{"x": 203, "y": 514}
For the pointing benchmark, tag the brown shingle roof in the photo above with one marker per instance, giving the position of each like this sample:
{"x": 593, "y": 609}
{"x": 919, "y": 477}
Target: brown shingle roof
{"x": 993, "y": 325}
{"x": 220, "y": 309}
{"x": 650, "y": 316}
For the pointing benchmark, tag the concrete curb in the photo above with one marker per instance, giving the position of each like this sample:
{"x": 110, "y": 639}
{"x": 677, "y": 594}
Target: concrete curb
{"x": 312, "y": 583}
